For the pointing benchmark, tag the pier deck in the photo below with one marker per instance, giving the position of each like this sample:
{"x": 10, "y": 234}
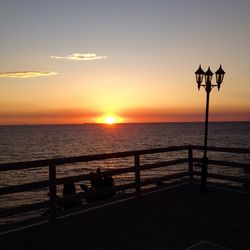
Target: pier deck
{"x": 175, "y": 218}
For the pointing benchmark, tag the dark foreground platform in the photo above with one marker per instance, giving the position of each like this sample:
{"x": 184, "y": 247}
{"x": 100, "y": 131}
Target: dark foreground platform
{"x": 175, "y": 218}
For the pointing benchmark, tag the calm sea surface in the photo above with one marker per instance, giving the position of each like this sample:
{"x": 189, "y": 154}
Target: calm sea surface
{"x": 25, "y": 143}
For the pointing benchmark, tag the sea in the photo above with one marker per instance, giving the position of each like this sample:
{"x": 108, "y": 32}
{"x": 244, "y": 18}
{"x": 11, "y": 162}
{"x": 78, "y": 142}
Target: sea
{"x": 28, "y": 142}
{"x": 37, "y": 142}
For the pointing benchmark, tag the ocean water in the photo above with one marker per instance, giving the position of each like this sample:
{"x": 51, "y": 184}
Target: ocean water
{"x": 25, "y": 143}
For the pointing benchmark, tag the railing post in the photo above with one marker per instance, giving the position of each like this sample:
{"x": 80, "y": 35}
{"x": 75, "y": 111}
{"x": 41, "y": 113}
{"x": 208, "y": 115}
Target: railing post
{"x": 190, "y": 164}
{"x": 137, "y": 175}
{"x": 52, "y": 191}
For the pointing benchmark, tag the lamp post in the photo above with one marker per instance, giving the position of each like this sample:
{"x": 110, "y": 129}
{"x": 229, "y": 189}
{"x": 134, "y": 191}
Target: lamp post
{"x": 208, "y": 86}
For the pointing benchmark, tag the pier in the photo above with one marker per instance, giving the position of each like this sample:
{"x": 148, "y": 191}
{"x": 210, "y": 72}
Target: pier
{"x": 166, "y": 212}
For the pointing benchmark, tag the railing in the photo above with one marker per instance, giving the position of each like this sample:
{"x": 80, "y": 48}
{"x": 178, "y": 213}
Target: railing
{"x": 190, "y": 174}
{"x": 245, "y": 181}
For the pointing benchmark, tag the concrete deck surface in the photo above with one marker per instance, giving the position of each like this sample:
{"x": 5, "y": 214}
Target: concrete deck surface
{"x": 175, "y": 218}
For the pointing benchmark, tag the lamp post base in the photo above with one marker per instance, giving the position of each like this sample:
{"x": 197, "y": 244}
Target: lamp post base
{"x": 203, "y": 187}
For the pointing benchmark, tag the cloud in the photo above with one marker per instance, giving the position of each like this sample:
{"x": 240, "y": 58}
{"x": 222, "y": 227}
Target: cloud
{"x": 80, "y": 57}
{"x": 26, "y": 74}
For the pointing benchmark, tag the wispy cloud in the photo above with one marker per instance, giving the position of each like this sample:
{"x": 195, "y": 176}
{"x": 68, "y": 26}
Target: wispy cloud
{"x": 26, "y": 74}
{"x": 80, "y": 57}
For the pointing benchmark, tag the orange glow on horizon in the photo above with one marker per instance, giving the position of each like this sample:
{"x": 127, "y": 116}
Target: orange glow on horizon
{"x": 137, "y": 115}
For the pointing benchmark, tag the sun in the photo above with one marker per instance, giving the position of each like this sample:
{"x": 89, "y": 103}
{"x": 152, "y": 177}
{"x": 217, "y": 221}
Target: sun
{"x": 110, "y": 120}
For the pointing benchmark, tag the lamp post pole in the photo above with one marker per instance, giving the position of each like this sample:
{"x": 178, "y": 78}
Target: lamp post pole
{"x": 208, "y": 87}
{"x": 205, "y": 159}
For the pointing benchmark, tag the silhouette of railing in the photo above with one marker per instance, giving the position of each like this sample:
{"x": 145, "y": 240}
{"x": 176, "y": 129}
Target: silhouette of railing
{"x": 188, "y": 175}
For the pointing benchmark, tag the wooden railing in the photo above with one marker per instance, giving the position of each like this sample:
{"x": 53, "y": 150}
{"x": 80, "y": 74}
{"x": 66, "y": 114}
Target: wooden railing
{"x": 245, "y": 166}
{"x": 53, "y": 164}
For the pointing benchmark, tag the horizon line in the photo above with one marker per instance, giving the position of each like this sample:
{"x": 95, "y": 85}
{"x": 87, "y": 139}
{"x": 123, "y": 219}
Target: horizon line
{"x": 119, "y": 123}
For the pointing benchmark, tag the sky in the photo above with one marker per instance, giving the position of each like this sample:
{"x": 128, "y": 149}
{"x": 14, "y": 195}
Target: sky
{"x": 66, "y": 62}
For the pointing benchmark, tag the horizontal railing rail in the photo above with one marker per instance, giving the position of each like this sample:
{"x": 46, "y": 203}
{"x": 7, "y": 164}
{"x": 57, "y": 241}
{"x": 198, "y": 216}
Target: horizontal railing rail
{"x": 223, "y": 149}
{"x": 85, "y": 158}
{"x": 222, "y": 177}
{"x": 24, "y": 187}
{"x": 224, "y": 163}
{"x": 188, "y": 174}
{"x": 23, "y": 209}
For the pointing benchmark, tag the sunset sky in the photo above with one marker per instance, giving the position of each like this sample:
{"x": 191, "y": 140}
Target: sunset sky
{"x": 80, "y": 61}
